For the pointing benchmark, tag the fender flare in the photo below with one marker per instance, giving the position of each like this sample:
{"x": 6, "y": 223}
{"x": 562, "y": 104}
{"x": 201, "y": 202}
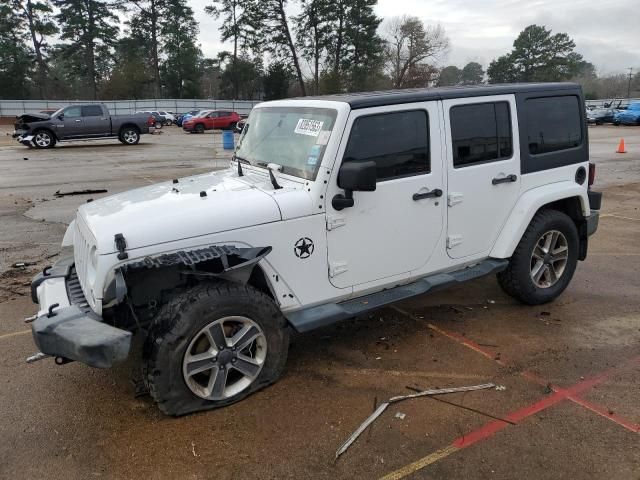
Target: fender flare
{"x": 527, "y": 206}
{"x": 226, "y": 262}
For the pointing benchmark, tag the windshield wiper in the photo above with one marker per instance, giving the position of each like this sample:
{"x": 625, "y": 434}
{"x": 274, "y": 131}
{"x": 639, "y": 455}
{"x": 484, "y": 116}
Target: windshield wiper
{"x": 272, "y": 177}
{"x": 239, "y": 161}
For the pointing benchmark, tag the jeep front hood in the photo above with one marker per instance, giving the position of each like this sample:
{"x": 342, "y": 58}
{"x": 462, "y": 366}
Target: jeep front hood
{"x": 168, "y": 212}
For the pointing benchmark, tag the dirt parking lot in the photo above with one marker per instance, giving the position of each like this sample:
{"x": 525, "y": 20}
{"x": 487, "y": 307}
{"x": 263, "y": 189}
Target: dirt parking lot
{"x": 571, "y": 369}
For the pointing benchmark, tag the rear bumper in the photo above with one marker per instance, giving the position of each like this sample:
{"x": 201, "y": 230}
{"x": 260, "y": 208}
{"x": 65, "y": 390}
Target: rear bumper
{"x": 66, "y": 326}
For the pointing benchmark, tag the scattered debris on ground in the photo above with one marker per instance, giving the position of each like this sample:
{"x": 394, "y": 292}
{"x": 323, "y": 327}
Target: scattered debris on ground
{"x": 383, "y": 406}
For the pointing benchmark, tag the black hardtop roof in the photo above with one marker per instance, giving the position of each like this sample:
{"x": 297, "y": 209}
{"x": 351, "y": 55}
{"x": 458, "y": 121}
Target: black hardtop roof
{"x": 392, "y": 97}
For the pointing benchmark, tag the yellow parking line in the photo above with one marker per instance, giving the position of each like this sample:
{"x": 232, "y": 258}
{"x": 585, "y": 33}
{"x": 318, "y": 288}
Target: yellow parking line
{"x": 419, "y": 464}
{"x": 14, "y": 334}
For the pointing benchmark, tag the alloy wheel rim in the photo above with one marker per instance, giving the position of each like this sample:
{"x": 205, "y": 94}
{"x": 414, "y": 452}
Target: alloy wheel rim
{"x": 129, "y": 136}
{"x": 224, "y": 358}
{"x": 549, "y": 259}
{"x": 42, "y": 139}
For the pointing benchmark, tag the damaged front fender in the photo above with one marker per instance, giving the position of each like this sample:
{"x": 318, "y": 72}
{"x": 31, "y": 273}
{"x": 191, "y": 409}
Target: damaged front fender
{"x": 227, "y": 262}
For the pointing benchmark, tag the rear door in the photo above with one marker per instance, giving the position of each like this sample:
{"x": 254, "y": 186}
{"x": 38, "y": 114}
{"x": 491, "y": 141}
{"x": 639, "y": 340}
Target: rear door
{"x": 483, "y": 170}
{"x": 96, "y": 123}
{"x": 393, "y": 230}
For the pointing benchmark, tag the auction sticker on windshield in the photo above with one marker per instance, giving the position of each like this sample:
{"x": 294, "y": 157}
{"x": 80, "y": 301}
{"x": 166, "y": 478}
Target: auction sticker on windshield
{"x": 309, "y": 127}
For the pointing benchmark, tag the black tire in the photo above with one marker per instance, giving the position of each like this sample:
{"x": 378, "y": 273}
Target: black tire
{"x": 199, "y": 128}
{"x": 158, "y": 125}
{"x": 181, "y": 320}
{"x": 517, "y": 281}
{"x": 44, "y": 139}
{"x": 129, "y": 136}
{"x": 232, "y": 126}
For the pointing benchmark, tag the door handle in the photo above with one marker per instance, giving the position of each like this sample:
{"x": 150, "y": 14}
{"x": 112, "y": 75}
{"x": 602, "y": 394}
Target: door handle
{"x": 436, "y": 192}
{"x": 507, "y": 179}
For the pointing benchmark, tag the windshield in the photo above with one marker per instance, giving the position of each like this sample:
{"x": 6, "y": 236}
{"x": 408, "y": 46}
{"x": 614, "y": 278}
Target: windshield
{"x": 293, "y": 137}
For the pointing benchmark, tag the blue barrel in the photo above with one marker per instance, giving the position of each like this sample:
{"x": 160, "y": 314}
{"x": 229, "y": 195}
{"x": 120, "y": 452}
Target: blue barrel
{"x": 227, "y": 140}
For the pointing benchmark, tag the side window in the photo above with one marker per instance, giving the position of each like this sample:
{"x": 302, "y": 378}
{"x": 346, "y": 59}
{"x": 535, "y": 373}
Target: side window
{"x": 92, "y": 111}
{"x": 214, "y": 115}
{"x": 553, "y": 123}
{"x": 73, "y": 112}
{"x": 480, "y": 132}
{"x": 398, "y": 142}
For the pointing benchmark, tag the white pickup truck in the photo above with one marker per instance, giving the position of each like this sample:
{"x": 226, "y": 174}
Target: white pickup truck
{"x": 331, "y": 207}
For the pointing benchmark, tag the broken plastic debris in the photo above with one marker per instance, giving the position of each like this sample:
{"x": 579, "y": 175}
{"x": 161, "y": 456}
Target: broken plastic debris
{"x": 401, "y": 415}
{"x": 500, "y": 388}
{"x": 383, "y": 406}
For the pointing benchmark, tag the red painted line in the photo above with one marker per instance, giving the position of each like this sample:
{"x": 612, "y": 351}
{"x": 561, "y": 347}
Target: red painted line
{"x": 604, "y": 412}
{"x": 491, "y": 428}
{"x": 467, "y": 343}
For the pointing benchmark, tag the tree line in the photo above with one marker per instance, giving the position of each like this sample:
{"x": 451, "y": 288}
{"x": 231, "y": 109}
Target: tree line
{"x": 132, "y": 49}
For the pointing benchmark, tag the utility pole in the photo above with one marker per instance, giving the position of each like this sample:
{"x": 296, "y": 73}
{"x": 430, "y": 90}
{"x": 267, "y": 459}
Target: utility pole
{"x": 629, "y": 84}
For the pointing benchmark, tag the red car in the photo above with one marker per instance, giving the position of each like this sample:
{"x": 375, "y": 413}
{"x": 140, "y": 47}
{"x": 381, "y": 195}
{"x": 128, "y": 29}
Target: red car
{"x": 210, "y": 119}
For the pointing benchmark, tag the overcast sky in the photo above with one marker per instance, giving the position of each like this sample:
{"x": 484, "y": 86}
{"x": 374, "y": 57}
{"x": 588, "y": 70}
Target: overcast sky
{"x": 606, "y": 32}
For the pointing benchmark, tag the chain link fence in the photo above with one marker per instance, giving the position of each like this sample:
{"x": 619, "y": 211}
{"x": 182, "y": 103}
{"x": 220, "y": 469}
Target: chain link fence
{"x": 11, "y": 108}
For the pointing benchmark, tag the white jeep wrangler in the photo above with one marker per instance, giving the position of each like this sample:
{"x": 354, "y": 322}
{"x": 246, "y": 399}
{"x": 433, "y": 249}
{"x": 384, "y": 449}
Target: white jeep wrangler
{"x": 331, "y": 207}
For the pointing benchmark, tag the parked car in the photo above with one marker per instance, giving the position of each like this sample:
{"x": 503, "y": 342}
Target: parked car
{"x": 333, "y": 207}
{"x": 158, "y": 120}
{"x": 185, "y": 116}
{"x": 600, "y": 116}
{"x": 630, "y": 116}
{"x": 210, "y": 119}
{"x": 80, "y": 122}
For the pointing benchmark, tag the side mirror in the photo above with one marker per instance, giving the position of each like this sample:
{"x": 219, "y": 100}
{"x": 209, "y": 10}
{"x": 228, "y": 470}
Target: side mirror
{"x": 354, "y": 176}
{"x": 61, "y": 116}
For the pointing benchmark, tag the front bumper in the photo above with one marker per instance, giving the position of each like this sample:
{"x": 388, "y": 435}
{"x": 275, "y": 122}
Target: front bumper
{"x": 67, "y": 327}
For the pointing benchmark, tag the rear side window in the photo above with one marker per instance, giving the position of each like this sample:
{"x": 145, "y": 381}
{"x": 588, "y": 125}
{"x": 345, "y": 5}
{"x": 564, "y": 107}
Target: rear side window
{"x": 92, "y": 111}
{"x": 480, "y": 132}
{"x": 553, "y": 124}
{"x": 398, "y": 142}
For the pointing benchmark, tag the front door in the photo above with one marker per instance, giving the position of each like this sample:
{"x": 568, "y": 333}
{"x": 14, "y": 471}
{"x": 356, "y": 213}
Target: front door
{"x": 483, "y": 169}
{"x": 393, "y": 230}
{"x": 73, "y": 125}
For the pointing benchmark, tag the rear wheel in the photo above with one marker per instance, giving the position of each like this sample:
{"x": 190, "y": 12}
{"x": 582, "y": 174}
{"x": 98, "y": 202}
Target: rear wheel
{"x": 232, "y": 126}
{"x": 544, "y": 261}
{"x": 158, "y": 125}
{"x": 129, "y": 136}
{"x": 199, "y": 128}
{"x": 44, "y": 139}
{"x": 212, "y": 346}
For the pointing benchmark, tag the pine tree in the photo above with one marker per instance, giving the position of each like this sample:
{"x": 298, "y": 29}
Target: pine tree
{"x": 240, "y": 25}
{"x": 180, "y": 70}
{"x": 15, "y": 60}
{"x": 37, "y": 15}
{"x": 146, "y": 20}
{"x": 87, "y": 25}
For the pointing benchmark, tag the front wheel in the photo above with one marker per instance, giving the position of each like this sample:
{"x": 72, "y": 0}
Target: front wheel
{"x": 544, "y": 261}
{"x": 212, "y": 346}
{"x": 199, "y": 128}
{"x": 44, "y": 139}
